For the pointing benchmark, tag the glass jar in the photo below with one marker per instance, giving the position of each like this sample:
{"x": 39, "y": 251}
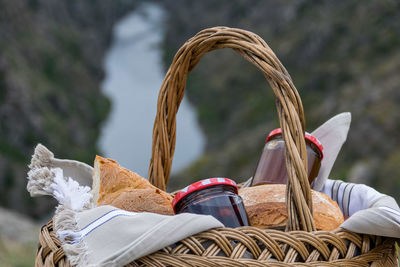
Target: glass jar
{"x": 271, "y": 168}
{"x": 217, "y": 197}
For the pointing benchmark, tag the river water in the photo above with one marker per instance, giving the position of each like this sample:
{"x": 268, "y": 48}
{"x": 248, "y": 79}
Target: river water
{"x": 134, "y": 75}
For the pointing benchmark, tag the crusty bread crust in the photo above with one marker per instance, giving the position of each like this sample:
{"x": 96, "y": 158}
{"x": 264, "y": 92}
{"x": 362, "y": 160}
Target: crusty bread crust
{"x": 140, "y": 200}
{"x": 119, "y": 187}
{"x": 265, "y": 207}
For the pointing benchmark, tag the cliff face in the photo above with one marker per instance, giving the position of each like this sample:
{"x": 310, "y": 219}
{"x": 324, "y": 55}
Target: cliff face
{"x": 342, "y": 56}
{"x": 50, "y": 71}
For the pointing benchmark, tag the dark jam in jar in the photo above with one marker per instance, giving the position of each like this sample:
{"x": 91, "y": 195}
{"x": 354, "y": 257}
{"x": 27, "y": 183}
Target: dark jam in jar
{"x": 271, "y": 168}
{"x": 217, "y": 197}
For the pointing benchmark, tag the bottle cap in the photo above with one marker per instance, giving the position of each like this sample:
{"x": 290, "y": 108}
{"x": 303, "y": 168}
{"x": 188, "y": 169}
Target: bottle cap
{"x": 307, "y": 135}
{"x": 200, "y": 185}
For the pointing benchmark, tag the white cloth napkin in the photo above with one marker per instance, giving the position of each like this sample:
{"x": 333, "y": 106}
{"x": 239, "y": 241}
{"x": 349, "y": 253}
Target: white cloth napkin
{"x": 115, "y": 237}
{"x": 369, "y": 211}
{"x": 332, "y": 134}
{"x": 104, "y": 236}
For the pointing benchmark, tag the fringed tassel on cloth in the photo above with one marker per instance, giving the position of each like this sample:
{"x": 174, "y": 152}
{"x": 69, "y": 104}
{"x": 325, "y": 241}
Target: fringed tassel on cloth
{"x": 65, "y": 225}
{"x": 43, "y": 157}
{"x": 45, "y": 181}
{"x": 45, "y": 178}
{"x": 69, "y": 193}
{"x": 44, "y": 167}
{"x": 39, "y": 181}
{"x": 51, "y": 176}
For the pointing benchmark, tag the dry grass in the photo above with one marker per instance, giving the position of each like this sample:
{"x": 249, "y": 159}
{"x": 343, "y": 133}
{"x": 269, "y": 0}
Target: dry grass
{"x": 13, "y": 254}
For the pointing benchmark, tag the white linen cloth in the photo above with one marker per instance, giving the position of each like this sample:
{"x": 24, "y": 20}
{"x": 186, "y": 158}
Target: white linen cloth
{"x": 115, "y": 237}
{"x": 104, "y": 236}
{"x": 332, "y": 134}
{"x": 369, "y": 211}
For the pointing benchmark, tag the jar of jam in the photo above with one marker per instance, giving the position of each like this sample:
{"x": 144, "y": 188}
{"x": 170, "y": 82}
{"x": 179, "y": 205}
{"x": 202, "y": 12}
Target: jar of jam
{"x": 214, "y": 196}
{"x": 271, "y": 168}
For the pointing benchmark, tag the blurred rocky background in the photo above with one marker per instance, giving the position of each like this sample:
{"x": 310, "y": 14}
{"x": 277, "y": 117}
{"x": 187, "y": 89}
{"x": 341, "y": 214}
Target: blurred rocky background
{"x": 51, "y": 58}
{"x": 342, "y": 56}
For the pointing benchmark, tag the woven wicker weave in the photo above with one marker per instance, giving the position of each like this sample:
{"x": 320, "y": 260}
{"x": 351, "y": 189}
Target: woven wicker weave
{"x": 246, "y": 246}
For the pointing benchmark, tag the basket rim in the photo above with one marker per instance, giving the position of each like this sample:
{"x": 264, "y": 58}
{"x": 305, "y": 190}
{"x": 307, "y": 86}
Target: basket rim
{"x": 381, "y": 250}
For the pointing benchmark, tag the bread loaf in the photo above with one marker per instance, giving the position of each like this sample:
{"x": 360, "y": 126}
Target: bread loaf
{"x": 265, "y": 207}
{"x": 119, "y": 187}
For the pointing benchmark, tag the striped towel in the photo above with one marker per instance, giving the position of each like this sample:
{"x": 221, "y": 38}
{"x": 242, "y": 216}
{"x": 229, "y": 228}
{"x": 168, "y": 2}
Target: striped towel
{"x": 107, "y": 236}
{"x": 367, "y": 211}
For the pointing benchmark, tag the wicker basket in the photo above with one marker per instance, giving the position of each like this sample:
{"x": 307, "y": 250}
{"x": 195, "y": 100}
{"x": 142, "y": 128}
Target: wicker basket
{"x": 300, "y": 244}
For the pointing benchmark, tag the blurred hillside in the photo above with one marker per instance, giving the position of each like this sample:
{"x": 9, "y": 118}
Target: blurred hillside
{"x": 18, "y": 239}
{"x": 50, "y": 70}
{"x": 342, "y": 56}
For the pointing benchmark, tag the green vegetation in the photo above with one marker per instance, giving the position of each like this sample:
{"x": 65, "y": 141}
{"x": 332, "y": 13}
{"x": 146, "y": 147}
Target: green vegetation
{"x": 15, "y": 254}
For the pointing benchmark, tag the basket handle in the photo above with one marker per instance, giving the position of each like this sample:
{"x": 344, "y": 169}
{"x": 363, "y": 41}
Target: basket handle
{"x": 288, "y": 103}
